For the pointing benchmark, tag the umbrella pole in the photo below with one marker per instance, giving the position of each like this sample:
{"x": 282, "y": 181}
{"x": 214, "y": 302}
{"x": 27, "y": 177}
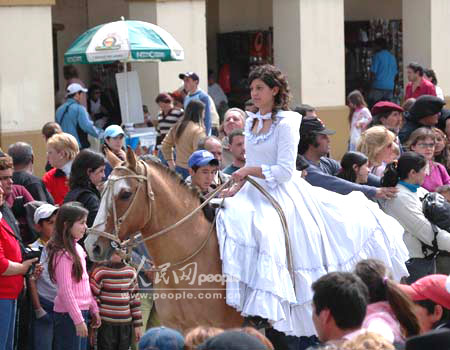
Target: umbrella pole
{"x": 127, "y": 114}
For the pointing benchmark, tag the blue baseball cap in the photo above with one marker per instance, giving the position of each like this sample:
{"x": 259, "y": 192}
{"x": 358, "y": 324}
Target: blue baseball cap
{"x": 113, "y": 131}
{"x": 202, "y": 158}
{"x": 161, "y": 338}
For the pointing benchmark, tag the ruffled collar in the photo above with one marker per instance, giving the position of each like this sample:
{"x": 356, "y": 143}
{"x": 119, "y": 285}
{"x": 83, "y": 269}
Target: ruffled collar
{"x": 257, "y": 138}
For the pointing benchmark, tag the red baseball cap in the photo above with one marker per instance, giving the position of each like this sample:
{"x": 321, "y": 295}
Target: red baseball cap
{"x": 385, "y": 106}
{"x": 432, "y": 287}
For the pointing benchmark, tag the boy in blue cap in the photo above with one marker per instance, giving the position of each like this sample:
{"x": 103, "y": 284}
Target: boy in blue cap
{"x": 202, "y": 169}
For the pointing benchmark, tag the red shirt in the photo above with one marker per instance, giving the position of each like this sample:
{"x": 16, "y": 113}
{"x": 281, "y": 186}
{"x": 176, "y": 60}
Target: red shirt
{"x": 17, "y": 191}
{"x": 10, "y": 286}
{"x": 425, "y": 88}
{"x": 58, "y": 186}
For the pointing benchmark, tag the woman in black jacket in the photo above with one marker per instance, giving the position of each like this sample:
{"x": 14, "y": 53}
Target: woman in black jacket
{"x": 88, "y": 171}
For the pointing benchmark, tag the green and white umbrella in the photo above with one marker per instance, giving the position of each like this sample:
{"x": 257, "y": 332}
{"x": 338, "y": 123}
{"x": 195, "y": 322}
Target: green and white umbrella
{"x": 124, "y": 41}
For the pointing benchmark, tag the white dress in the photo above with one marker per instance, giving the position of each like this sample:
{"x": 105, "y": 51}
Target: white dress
{"x": 328, "y": 232}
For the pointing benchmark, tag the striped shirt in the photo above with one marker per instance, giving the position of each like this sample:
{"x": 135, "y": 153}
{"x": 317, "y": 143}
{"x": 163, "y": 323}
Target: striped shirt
{"x": 115, "y": 290}
{"x": 165, "y": 122}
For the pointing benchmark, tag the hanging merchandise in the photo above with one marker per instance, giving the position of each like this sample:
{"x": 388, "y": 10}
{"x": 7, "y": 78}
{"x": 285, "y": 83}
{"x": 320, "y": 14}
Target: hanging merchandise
{"x": 359, "y": 39}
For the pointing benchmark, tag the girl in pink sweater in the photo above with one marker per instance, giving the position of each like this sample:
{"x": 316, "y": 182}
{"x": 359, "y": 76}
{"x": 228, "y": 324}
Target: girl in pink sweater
{"x": 390, "y": 312}
{"x": 67, "y": 268}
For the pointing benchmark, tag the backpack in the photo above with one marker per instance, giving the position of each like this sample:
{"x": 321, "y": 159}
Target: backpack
{"x": 82, "y": 135}
{"x": 437, "y": 210}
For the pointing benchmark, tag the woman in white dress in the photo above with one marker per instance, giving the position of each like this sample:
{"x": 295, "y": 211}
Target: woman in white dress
{"x": 327, "y": 231}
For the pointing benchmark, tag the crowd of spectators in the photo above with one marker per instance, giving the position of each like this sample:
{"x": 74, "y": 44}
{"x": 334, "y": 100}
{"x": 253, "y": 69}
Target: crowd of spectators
{"x": 397, "y": 156}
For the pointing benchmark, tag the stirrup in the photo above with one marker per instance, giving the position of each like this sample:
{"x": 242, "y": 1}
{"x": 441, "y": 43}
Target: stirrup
{"x": 256, "y": 322}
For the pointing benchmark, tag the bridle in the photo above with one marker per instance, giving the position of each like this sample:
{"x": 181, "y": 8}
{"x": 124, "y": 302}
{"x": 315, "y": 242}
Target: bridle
{"x": 124, "y": 248}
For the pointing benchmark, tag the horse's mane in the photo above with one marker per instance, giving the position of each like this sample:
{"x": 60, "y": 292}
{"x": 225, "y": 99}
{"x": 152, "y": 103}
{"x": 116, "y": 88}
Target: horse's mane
{"x": 208, "y": 210}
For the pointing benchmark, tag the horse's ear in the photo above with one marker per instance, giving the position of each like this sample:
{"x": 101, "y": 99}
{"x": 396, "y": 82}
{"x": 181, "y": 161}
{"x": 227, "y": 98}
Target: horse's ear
{"x": 113, "y": 160}
{"x": 131, "y": 158}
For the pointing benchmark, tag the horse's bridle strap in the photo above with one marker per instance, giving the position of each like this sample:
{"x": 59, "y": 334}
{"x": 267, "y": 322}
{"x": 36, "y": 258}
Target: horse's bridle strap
{"x": 130, "y": 243}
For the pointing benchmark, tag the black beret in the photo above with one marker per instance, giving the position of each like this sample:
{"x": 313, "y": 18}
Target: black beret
{"x": 425, "y": 106}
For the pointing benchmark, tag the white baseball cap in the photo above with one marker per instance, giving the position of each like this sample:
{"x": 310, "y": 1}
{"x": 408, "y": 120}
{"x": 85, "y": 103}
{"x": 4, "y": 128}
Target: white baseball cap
{"x": 44, "y": 212}
{"x": 74, "y": 88}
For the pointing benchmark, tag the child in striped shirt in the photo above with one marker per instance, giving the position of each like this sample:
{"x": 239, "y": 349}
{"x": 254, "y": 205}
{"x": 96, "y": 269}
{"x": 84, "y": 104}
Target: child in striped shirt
{"x": 114, "y": 285}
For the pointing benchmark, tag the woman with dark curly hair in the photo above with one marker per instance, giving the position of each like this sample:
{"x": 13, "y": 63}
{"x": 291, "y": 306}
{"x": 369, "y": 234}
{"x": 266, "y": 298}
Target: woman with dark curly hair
{"x": 88, "y": 171}
{"x": 271, "y": 268}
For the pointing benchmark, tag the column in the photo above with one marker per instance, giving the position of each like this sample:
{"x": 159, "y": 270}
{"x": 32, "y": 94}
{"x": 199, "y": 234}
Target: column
{"x": 26, "y": 71}
{"x": 425, "y": 29}
{"x": 186, "y": 21}
{"x": 309, "y": 48}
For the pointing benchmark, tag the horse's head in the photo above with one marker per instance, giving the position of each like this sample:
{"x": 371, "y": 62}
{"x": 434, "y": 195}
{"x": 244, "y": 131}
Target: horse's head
{"x": 124, "y": 209}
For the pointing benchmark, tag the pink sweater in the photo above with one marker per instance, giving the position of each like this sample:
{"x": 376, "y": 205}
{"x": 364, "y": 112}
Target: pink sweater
{"x": 73, "y": 297}
{"x": 438, "y": 176}
{"x": 381, "y": 319}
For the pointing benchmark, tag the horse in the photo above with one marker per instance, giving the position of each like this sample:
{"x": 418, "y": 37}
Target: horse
{"x": 147, "y": 197}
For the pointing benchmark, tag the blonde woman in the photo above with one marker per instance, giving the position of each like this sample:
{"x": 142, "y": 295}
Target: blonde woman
{"x": 61, "y": 150}
{"x": 377, "y": 143}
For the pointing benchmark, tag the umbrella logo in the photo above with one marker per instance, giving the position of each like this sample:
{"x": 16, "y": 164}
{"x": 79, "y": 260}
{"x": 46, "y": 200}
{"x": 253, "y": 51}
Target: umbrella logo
{"x": 109, "y": 43}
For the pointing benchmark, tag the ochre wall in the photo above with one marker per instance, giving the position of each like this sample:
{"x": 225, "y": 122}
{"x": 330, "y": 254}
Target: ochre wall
{"x": 237, "y": 15}
{"x": 335, "y": 118}
{"x": 35, "y": 139}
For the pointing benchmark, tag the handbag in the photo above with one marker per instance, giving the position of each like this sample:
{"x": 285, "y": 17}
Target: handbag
{"x": 421, "y": 267}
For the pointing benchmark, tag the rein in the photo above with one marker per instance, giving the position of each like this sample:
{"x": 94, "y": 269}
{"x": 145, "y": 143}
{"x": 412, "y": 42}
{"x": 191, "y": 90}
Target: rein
{"x": 128, "y": 244}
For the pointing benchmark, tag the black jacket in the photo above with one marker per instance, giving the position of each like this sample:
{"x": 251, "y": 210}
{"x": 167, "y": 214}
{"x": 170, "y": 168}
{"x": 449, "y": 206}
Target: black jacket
{"x": 34, "y": 185}
{"x": 89, "y": 197}
{"x": 412, "y": 123}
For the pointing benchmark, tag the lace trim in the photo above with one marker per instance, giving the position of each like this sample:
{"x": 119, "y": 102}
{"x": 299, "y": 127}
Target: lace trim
{"x": 257, "y": 138}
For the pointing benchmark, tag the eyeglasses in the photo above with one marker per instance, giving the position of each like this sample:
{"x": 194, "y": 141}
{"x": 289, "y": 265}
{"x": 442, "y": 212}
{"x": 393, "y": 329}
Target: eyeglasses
{"x": 426, "y": 145}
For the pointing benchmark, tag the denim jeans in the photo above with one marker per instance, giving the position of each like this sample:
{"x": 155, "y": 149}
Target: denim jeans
{"x": 65, "y": 333}
{"x": 7, "y": 323}
{"x": 376, "y": 95}
{"x": 43, "y": 330}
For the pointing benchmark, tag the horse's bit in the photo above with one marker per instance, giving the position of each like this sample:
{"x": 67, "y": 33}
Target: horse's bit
{"x": 127, "y": 245}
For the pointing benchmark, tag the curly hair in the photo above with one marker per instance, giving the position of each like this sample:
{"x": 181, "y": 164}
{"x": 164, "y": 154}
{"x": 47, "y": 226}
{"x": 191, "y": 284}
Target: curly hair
{"x": 273, "y": 77}
{"x": 198, "y": 335}
{"x": 368, "y": 341}
{"x": 6, "y": 162}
